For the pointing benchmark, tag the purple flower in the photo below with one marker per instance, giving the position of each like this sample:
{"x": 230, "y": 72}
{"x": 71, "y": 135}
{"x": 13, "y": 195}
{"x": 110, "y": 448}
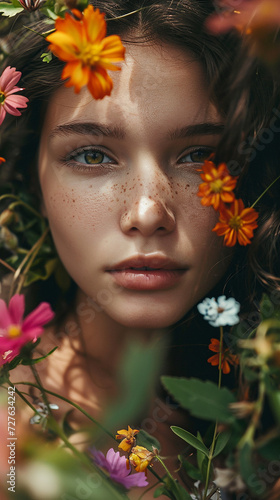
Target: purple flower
{"x": 118, "y": 470}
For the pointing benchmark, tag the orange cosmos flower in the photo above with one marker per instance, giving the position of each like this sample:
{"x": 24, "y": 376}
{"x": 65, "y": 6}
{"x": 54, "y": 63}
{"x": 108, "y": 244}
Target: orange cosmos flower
{"x": 227, "y": 356}
{"x": 89, "y": 54}
{"x": 236, "y": 223}
{"x": 217, "y": 186}
{"x": 128, "y": 439}
{"x": 2, "y": 160}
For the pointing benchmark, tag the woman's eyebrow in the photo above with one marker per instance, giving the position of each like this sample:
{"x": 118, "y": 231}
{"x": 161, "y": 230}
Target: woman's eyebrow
{"x": 207, "y": 128}
{"x": 88, "y": 128}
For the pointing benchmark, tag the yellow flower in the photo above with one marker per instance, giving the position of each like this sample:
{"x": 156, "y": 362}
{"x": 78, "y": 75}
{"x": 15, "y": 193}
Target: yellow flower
{"x": 140, "y": 458}
{"x": 89, "y": 54}
{"x": 128, "y": 439}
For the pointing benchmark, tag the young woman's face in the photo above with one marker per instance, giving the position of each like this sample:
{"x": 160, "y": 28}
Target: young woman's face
{"x": 119, "y": 178}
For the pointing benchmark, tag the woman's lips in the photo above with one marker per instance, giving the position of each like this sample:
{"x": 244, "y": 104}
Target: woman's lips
{"x": 147, "y": 279}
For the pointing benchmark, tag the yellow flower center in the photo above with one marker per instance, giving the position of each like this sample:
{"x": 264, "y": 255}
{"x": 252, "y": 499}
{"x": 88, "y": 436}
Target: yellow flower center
{"x": 2, "y": 97}
{"x": 14, "y": 331}
{"x": 216, "y": 186}
{"x": 90, "y": 54}
{"x": 235, "y": 222}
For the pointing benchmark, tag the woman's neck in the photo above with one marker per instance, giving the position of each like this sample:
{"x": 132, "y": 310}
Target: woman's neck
{"x": 100, "y": 337}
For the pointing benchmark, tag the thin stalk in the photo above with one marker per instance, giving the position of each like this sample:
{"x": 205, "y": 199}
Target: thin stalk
{"x": 270, "y": 185}
{"x": 30, "y": 255}
{"x": 72, "y": 404}
{"x": 44, "y": 396}
{"x": 250, "y": 432}
{"x": 23, "y": 398}
{"x": 7, "y": 266}
{"x": 212, "y": 448}
{"x": 20, "y": 202}
{"x": 220, "y": 355}
{"x": 126, "y": 15}
{"x": 165, "y": 468}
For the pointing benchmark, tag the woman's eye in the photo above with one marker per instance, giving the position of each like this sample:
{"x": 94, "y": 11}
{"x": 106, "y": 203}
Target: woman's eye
{"x": 91, "y": 157}
{"x": 196, "y": 156}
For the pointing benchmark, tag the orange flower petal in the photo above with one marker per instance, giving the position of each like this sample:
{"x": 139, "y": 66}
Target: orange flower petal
{"x": 81, "y": 43}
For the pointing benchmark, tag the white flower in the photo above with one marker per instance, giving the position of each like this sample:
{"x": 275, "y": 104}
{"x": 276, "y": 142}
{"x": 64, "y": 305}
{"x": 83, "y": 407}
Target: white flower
{"x": 220, "y": 312}
{"x": 44, "y": 413}
{"x": 229, "y": 479}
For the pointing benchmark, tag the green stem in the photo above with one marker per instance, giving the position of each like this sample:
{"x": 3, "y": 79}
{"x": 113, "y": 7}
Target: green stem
{"x": 165, "y": 468}
{"x": 71, "y": 403}
{"x": 220, "y": 355}
{"x": 23, "y": 398}
{"x": 250, "y": 432}
{"x": 211, "y": 451}
{"x": 20, "y": 202}
{"x": 30, "y": 255}
{"x": 40, "y": 386}
{"x": 263, "y": 193}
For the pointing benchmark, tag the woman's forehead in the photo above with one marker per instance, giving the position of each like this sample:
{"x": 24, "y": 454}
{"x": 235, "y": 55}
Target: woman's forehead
{"x": 159, "y": 85}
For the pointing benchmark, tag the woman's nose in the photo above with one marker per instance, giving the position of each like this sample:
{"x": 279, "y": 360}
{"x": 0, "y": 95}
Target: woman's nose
{"x": 148, "y": 214}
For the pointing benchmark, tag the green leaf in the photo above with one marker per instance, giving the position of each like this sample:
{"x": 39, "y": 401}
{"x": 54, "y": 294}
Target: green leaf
{"x": 181, "y": 493}
{"x": 200, "y": 456}
{"x": 268, "y": 309}
{"x": 191, "y": 439}
{"x": 49, "y": 13}
{"x": 192, "y": 471}
{"x": 248, "y": 469}
{"x": 67, "y": 429}
{"x": 270, "y": 450}
{"x": 221, "y": 442}
{"x": 46, "y": 57}
{"x": 161, "y": 490}
{"x": 146, "y": 440}
{"x": 274, "y": 401}
{"x": 30, "y": 361}
{"x": 138, "y": 371}
{"x": 9, "y": 9}
{"x": 202, "y": 399}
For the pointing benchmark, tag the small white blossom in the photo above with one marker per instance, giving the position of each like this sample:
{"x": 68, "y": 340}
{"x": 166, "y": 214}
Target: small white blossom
{"x": 44, "y": 413}
{"x": 220, "y": 312}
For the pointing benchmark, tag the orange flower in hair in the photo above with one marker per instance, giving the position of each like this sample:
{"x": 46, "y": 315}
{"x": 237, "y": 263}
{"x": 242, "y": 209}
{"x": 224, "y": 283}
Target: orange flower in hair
{"x": 218, "y": 185}
{"x": 236, "y": 224}
{"x": 82, "y": 44}
{"x": 227, "y": 357}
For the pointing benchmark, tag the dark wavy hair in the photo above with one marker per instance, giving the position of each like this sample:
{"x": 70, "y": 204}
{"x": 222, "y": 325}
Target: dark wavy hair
{"x": 245, "y": 91}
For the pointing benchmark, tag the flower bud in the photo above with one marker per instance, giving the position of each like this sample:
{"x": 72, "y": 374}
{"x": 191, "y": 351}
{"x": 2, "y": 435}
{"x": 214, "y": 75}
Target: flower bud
{"x": 6, "y": 217}
{"x": 8, "y": 239}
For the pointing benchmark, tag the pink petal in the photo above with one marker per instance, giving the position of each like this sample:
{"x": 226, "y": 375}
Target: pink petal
{"x": 17, "y": 101}
{"x": 10, "y": 356}
{"x": 16, "y": 309}
{"x": 5, "y": 318}
{"x": 11, "y": 110}
{"x": 37, "y": 318}
{"x": 14, "y": 90}
{"x": 2, "y": 114}
{"x": 9, "y": 78}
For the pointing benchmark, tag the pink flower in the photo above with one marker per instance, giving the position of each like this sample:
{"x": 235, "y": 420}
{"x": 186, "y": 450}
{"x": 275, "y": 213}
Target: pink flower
{"x": 118, "y": 469}
{"x": 9, "y": 102}
{"x": 15, "y": 331}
